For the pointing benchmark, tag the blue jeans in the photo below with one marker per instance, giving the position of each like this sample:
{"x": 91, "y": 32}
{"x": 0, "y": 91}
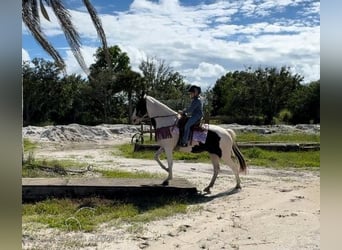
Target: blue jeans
{"x": 192, "y": 120}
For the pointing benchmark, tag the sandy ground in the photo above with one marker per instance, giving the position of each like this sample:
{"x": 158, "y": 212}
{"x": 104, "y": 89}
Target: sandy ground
{"x": 274, "y": 210}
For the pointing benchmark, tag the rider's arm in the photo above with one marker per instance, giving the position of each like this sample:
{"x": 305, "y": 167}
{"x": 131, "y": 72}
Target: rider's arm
{"x": 194, "y": 105}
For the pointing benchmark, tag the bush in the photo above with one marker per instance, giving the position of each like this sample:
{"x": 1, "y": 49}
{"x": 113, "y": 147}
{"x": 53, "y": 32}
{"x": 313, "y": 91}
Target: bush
{"x": 284, "y": 117}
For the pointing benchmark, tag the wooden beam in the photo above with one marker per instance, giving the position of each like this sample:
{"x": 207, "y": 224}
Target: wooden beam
{"x": 34, "y": 189}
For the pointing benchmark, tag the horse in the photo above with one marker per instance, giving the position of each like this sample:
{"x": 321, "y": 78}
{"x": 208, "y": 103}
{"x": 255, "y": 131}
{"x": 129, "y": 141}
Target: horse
{"x": 219, "y": 142}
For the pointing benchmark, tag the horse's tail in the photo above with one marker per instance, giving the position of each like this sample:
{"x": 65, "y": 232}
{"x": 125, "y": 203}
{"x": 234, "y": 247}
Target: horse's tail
{"x": 232, "y": 134}
{"x": 237, "y": 152}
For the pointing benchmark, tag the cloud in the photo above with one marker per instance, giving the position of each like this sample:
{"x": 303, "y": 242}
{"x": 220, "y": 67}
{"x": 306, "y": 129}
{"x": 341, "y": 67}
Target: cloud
{"x": 72, "y": 64}
{"x": 205, "y": 41}
{"x": 205, "y": 70}
{"x": 25, "y": 55}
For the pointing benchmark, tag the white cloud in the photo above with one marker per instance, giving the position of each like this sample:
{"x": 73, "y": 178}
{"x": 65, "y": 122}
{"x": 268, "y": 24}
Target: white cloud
{"x": 135, "y": 55}
{"x": 25, "y": 55}
{"x": 72, "y": 64}
{"x": 205, "y": 70}
{"x": 202, "y": 42}
{"x": 312, "y": 71}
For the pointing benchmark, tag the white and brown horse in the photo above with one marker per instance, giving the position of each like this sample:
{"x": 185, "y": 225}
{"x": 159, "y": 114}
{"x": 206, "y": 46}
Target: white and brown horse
{"x": 219, "y": 142}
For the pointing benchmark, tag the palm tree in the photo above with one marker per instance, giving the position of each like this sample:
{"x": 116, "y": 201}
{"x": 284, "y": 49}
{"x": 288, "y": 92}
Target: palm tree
{"x": 31, "y": 18}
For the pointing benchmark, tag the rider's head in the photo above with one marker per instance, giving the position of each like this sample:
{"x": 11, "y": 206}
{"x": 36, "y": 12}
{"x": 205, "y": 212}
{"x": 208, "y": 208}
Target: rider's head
{"x": 195, "y": 90}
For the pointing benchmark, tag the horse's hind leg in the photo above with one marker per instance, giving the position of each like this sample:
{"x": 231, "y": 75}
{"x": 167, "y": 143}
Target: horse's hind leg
{"x": 216, "y": 165}
{"x": 235, "y": 168}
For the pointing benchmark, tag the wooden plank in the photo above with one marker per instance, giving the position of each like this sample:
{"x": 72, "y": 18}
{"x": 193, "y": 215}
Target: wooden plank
{"x": 34, "y": 189}
{"x": 145, "y": 147}
{"x": 279, "y": 146}
{"x": 267, "y": 146}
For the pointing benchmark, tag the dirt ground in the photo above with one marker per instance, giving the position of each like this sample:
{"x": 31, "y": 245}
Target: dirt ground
{"x": 276, "y": 209}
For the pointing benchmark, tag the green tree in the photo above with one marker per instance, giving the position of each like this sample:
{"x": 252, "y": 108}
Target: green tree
{"x": 39, "y": 90}
{"x": 105, "y": 83}
{"x": 305, "y": 103}
{"x": 161, "y": 81}
{"x": 254, "y": 96}
{"x": 48, "y": 98}
{"x": 132, "y": 85}
{"x": 278, "y": 86}
{"x": 71, "y": 100}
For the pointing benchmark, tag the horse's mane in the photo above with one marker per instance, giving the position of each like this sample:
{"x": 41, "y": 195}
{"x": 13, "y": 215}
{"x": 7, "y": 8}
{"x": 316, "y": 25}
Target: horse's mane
{"x": 162, "y": 108}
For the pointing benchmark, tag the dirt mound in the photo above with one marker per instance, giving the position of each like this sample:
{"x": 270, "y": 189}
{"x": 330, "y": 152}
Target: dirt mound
{"x": 103, "y": 132}
{"x": 270, "y": 129}
{"x": 77, "y": 133}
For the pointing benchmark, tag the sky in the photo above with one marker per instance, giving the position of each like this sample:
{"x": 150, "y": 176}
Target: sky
{"x": 201, "y": 39}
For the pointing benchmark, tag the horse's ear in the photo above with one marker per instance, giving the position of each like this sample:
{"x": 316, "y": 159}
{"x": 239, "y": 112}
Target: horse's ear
{"x": 145, "y": 96}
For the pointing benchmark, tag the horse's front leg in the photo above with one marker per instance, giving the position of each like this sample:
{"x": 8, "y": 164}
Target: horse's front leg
{"x": 216, "y": 164}
{"x": 156, "y": 157}
{"x": 168, "y": 152}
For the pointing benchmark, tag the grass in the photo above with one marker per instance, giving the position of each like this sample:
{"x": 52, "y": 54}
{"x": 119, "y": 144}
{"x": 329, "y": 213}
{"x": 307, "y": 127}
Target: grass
{"x": 254, "y": 156}
{"x": 126, "y": 150}
{"x": 124, "y": 174}
{"x": 294, "y": 137}
{"x": 49, "y": 168}
{"x": 29, "y": 145}
{"x": 86, "y": 214}
{"x": 308, "y": 160}
{"x": 57, "y": 168}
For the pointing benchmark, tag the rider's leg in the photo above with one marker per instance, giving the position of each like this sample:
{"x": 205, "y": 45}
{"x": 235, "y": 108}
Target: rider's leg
{"x": 187, "y": 127}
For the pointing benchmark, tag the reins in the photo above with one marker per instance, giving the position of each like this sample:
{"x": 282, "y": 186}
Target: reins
{"x": 161, "y": 116}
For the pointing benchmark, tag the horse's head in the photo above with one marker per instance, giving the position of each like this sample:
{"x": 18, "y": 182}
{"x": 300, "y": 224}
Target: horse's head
{"x": 140, "y": 112}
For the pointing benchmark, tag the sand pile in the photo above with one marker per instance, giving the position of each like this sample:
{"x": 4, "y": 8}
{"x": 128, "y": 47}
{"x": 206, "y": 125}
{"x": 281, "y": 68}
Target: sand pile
{"x": 103, "y": 132}
{"x": 77, "y": 133}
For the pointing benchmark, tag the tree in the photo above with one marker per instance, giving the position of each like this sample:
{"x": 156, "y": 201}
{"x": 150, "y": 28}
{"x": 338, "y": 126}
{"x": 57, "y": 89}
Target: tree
{"x": 71, "y": 101}
{"x": 305, "y": 103}
{"x": 119, "y": 62}
{"x": 105, "y": 83}
{"x": 132, "y": 84}
{"x": 278, "y": 86}
{"x": 31, "y": 18}
{"x": 161, "y": 81}
{"x": 254, "y": 96}
{"x": 39, "y": 90}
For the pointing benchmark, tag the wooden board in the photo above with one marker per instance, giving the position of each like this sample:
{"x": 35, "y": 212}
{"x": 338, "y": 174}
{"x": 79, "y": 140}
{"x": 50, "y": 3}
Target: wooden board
{"x": 242, "y": 145}
{"x": 34, "y": 189}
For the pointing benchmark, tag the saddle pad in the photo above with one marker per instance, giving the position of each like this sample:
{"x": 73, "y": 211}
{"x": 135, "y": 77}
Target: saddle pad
{"x": 198, "y": 135}
{"x": 201, "y": 135}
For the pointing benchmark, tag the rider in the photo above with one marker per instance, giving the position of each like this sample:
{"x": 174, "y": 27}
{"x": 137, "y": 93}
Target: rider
{"x": 196, "y": 111}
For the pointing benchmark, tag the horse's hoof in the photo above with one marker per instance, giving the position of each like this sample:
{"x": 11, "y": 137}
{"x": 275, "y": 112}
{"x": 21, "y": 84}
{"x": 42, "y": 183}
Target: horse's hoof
{"x": 238, "y": 187}
{"x": 165, "y": 183}
{"x": 207, "y": 190}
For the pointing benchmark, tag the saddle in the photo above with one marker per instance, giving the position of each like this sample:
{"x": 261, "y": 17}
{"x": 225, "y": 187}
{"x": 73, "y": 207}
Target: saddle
{"x": 196, "y": 127}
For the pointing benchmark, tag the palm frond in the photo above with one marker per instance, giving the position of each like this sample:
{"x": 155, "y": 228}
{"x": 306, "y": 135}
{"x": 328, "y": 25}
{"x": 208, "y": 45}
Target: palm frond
{"x": 30, "y": 17}
{"x": 43, "y": 10}
{"x": 70, "y": 32}
{"x": 99, "y": 29}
